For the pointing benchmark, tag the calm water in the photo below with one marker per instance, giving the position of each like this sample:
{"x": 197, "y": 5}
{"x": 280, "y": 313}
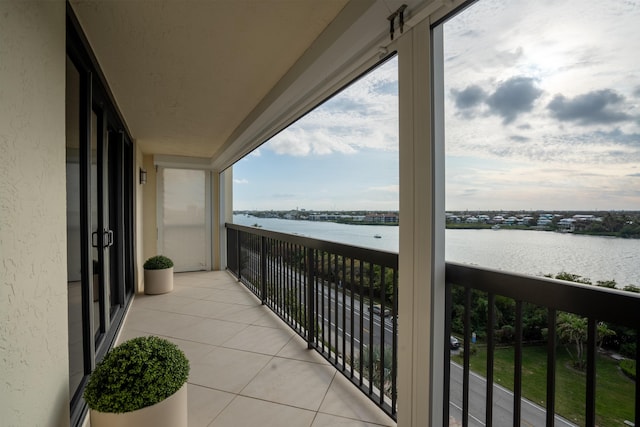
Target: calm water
{"x": 522, "y": 251}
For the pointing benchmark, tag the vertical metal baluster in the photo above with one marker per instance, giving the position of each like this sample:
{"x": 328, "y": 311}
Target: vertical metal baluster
{"x": 383, "y": 294}
{"x": 284, "y": 278}
{"x": 336, "y": 310}
{"x": 275, "y": 283}
{"x": 319, "y": 326}
{"x": 343, "y": 294}
{"x": 288, "y": 272}
{"x": 370, "y": 340}
{"x": 361, "y": 294}
{"x": 351, "y": 286}
{"x": 325, "y": 327}
{"x": 276, "y": 279}
{"x": 490, "y": 357}
{"x": 446, "y": 389}
{"x": 517, "y": 370}
{"x": 551, "y": 367}
{"x": 590, "y": 401}
{"x": 310, "y": 298}
{"x": 302, "y": 290}
{"x": 238, "y": 254}
{"x": 394, "y": 360}
{"x": 263, "y": 271}
{"x": 467, "y": 351}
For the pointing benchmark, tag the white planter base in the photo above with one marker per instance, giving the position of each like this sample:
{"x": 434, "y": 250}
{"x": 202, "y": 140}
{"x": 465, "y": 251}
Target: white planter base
{"x": 171, "y": 412}
{"x": 158, "y": 281}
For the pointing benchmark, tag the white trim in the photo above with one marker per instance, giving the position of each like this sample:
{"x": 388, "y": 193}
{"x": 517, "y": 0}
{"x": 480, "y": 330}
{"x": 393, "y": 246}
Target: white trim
{"x": 421, "y": 254}
{"x": 438, "y": 338}
{"x": 208, "y": 214}
{"x": 182, "y": 162}
{"x": 225, "y": 212}
{"x": 159, "y": 209}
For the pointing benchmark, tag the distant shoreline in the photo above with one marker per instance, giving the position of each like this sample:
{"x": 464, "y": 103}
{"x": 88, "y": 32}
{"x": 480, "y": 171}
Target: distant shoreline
{"x": 536, "y": 228}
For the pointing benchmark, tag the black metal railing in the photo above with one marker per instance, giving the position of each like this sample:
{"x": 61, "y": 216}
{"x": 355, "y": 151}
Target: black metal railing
{"x": 476, "y": 301}
{"x": 342, "y": 299}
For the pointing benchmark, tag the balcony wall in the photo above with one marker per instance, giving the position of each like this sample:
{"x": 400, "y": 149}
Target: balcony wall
{"x": 33, "y": 284}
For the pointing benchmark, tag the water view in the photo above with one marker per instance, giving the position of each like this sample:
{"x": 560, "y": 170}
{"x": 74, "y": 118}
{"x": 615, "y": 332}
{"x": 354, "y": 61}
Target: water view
{"x": 520, "y": 251}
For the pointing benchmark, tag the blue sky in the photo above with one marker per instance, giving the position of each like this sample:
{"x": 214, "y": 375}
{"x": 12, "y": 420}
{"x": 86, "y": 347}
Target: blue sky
{"x": 341, "y": 156}
{"x": 542, "y": 111}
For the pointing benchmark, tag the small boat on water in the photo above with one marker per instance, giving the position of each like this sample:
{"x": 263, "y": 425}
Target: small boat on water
{"x": 377, "y": 236}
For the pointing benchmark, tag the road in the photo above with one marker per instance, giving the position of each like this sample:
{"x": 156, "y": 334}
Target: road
{"x": 531, "y": 414}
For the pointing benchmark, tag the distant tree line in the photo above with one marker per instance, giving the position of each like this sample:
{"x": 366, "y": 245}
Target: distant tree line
{"x": 620, "y": 225}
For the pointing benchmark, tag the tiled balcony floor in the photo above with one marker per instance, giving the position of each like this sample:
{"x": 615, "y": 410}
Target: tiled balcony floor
{"x": 247, "y": 367}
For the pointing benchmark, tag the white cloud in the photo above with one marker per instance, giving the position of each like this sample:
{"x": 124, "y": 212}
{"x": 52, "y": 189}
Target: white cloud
{"x": 240, "y": 181}
{"x": 585, "y": 117}
{"x": 299, "y": 141}
{"x": 363, "y": 116}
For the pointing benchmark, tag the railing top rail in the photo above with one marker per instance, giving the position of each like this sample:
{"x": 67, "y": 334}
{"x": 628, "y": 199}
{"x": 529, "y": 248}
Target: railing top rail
{"x": 603, "y": 304}
{"x": 379, "y": 257}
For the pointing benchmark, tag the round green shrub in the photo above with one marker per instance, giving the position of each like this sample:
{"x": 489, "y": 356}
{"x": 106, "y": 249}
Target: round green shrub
{"x": 158, "y": 262}
{"x": 138, "y": 373}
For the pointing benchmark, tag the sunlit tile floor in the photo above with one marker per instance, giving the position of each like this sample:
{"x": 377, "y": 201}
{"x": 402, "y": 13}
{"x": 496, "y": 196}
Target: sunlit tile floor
{"x": 247, "y": 367}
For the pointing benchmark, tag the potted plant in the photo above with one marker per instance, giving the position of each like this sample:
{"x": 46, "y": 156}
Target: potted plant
{"x": 142, "y": 382}
{"x": 158, "y": 275}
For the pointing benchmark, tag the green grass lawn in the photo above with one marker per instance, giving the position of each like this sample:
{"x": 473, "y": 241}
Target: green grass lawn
{"x": 614, "y": 391}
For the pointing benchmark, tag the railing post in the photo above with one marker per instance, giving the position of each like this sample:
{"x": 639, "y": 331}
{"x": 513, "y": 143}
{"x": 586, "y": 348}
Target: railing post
{"x": 310, "y": 298}
{"x": 263, "y": 270}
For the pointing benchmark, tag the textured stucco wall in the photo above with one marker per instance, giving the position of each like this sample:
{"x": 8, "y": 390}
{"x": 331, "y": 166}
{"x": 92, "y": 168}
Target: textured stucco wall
{"x": 33, "y": 285}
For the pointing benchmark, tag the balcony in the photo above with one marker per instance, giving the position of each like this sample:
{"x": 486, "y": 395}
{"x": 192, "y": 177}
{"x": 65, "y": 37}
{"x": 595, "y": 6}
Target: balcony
{"x": 247, "y": 366}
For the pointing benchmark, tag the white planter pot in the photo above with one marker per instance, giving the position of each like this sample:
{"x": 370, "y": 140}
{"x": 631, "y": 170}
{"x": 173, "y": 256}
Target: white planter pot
{"x": 158, "y": 281}
{"x": 171, "y": 412}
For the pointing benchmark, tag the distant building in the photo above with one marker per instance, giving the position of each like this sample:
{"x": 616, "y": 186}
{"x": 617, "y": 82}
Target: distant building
{"x": 567, "y": 224}
{"x": 383, "y": 218}
{"x": 587, "y": 218}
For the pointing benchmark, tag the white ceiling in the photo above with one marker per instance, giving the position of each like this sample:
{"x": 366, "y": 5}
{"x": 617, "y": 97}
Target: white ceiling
{"x": 185, "y": 74}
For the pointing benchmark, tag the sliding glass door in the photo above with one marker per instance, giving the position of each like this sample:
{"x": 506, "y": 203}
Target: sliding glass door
{"x": 99, "y": 157}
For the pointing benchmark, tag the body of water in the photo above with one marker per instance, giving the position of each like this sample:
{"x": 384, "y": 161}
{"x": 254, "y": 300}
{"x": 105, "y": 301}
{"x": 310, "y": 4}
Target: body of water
{"x": 521, "y": 251}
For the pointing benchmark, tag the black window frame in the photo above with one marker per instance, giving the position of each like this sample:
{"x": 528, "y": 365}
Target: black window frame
{"x": 94, "y": 90}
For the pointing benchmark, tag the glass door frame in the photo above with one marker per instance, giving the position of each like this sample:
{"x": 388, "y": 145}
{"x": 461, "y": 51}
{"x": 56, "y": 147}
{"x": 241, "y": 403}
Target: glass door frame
{"x": 115, "y": 207}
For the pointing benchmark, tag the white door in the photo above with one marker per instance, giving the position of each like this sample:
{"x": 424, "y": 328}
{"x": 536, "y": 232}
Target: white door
{"x": 184, "y": 212}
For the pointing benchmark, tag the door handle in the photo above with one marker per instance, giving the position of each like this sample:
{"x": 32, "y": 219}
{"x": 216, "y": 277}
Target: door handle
{"x": 94, "y": 239}
{"x": 108, "y": 238}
